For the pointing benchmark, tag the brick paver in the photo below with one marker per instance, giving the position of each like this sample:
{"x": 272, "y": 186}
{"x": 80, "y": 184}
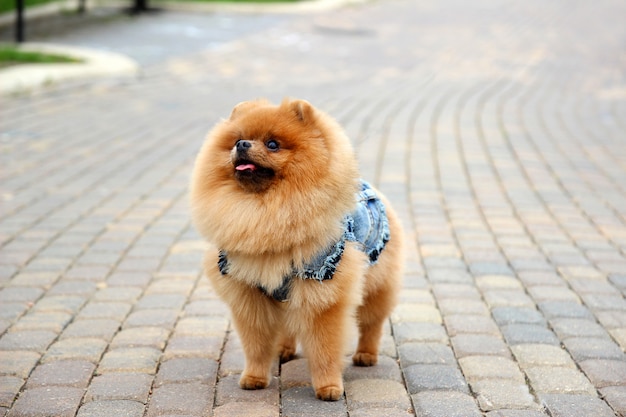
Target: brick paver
{"x": 498, "y": 130}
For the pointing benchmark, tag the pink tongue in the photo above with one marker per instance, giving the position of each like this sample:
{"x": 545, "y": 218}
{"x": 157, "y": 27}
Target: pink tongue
{"x": 243, "y": 167}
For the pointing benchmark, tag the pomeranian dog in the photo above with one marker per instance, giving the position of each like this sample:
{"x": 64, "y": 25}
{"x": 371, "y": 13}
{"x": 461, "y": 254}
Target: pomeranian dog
{"x": 304, "y": 249}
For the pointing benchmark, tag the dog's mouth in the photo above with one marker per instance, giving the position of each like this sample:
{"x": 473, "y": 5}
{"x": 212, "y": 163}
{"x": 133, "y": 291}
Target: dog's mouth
{"x": 245, "y": 165}
{"x": 253, "y": 176}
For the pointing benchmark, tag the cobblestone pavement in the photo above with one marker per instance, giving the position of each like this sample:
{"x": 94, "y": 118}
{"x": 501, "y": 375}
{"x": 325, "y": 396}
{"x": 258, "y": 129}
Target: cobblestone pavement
{"x": 498, "y": 129}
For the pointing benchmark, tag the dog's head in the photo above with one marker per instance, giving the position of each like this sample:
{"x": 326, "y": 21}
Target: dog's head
{"x": 274, "y": 143}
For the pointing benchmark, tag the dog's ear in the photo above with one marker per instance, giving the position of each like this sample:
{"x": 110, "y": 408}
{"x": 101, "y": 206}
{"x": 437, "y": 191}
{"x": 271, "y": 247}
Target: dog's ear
{"x": 245, "y": 106}
{"x": 302, "y": 109}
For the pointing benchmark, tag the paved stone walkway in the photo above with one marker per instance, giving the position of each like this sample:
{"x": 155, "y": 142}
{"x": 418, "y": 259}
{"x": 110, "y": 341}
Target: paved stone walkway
{"x": 498, "y": 129}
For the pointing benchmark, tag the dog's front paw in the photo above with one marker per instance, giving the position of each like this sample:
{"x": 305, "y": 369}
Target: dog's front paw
{"x": 330, "y": 393}
{"x": 253, "y": 382}
{"x": 364, "y": 359}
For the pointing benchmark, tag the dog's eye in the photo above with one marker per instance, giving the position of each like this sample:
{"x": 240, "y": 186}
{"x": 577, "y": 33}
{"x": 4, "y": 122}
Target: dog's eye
{"x": 272, "y": 145}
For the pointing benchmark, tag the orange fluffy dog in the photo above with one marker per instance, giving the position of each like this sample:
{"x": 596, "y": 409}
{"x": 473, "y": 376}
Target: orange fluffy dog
{"x": 304, "y": 247}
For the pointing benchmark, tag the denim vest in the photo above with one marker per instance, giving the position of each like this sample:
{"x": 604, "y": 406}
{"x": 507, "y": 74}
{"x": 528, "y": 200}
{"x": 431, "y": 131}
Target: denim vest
{"x": 367, "y": 225}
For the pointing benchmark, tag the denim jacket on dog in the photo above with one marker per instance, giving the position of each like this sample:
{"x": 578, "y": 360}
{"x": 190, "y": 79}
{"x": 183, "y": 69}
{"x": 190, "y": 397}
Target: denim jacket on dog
{"x": 367, "y": 225}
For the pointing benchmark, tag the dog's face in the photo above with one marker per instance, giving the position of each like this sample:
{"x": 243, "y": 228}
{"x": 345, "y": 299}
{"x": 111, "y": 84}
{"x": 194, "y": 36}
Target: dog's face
{"x": 256, "y": 161}
{"x": 269, "y": 144}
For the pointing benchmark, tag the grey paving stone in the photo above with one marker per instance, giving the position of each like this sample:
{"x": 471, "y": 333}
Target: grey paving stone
{"x": 245, "y": 409}
{"x": 448, "y": 275}
{"x": 129, "y": 279}
{"x": 203, "y": 307}
{"x": 118, "y": 294}
{"x": 87, "y": 349}
{"x": 485, "y": 367}
{"x": 55, "y": 401}
{"x": 619, "y": 335}
{"x": 565, "y": 328}
{"x": 165, "y": 318}
{"x": 446, "y": 263}
{"x": 377, "y": 412}
{"x": 96, "y": 328}
{"x": 611, "y": 319}
{"x": 467, "y": 291}
{"x": 232, "y": 359}
{"x": 73, "y": 288}
{"x": 419, "y": 332}
{"x": 490, "y": 268}
{"x": 551, "y": 293}
{"x": 187, "y": 370}
{"x": 105, "y": 310}
{"x": 603, "y": 302}
{"x": 583, "y": 285}
{"x": 508, "y": 298}
{"x": 618, "y": 280}
{"x": 140, "y": 360}
{"x": 157, "y": 301}
{"x": 516, "y": 413}
{"x": 9, "y": 388}
{"x": 189, "y": 346}
{"x": 172, "y": 284}
{"x": 498, "y": 282}
{"x": 495, "y": 394}
{"x": 616, "y": 398}
{"x": 376, "y": 393}
{"x": 445, "y": 404}
{"x": 459, "y": 306}
{"x": 155, "y": 337}
{"x": 416, "y": 312}
{"x": 470, "y": 323}
{"x": 582, "y": 348}
{"x": 175, "y": 399}
{"x": 20, "y": 294}
{"x": 54, "y": 322}
{"x": 61, "y": 303}
{"x": 71, "y": 373}
{"x": 424, "y": 353}
{"x": 515, "y": 315}
{"x": 532, "y": 278}
{"x": 35, "y": 340}
{"x": 564, "y": 309}
{"x": 120, "y": 386}
{"x": 534, "y": 355}
{"x": 108, "y": 408}
{"x": 516, "y": 334}
{"x": 18, "y": 362}
{"x": 470, "y": 344}
{"x": 202, "y": 326}
{"x": 415, "y": 296}
{"x": 605, "y": 373}
{"x": 564, "y": 405}
{"x": 434, "y": 377}
{"x": 558, "y": 380}
{"x": 88, "y": 273}
{"x": 531, "y": 265}
{"x": 12, "y": 311}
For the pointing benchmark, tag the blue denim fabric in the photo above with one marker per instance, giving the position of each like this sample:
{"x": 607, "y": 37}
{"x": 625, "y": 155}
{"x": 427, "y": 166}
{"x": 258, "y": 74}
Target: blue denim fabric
{"x": 367, "y": 225}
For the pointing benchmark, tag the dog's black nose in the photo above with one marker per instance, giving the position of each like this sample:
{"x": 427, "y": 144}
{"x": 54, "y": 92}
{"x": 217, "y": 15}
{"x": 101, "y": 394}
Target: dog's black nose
{"x": 243, "y": 145}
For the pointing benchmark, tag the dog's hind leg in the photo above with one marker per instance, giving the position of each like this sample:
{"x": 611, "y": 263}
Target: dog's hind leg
{"x": 371, "y": 318}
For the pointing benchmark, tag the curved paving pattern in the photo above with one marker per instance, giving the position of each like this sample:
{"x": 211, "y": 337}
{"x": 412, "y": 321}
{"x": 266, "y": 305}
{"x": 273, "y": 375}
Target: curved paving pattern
{"x": 497, "y": 128}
